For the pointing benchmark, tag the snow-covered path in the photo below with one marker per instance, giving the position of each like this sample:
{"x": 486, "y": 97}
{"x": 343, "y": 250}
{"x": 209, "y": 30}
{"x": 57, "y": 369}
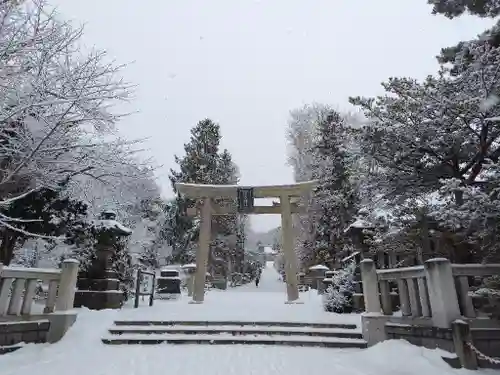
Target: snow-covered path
{"x": 269, "y": 282}
{"x": 81, "y": 351}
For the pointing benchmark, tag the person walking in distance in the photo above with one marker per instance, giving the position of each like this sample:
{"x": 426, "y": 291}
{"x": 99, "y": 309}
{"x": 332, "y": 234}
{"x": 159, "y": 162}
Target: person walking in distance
{"x": 257, "y": 277}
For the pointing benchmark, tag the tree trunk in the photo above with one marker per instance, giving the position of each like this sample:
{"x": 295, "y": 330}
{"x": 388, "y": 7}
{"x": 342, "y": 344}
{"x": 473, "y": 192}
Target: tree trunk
{"x": 9, "y": 239}
{"x": 425, "y": 236}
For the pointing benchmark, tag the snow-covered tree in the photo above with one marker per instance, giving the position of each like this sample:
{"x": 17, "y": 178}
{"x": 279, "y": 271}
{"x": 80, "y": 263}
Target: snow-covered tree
{"x": 444, "y": 129}
{"x": 148, "y": 219}
{"x": 454, "y": 8}
{"x": 45, "y": 212}
{"x": 228, "y": 228}
{"x": 56, "y": 105}
{"x": 338, "y": 297}
{"x": 302, "y": 127}
{"x": 319, "y": 138}
{"x": 204, "y": 163}
{"x": 334, "y": 201}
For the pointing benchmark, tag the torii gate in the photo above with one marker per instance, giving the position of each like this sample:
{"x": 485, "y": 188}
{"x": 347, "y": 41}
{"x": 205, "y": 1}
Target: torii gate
{"x": 244, "y": 196}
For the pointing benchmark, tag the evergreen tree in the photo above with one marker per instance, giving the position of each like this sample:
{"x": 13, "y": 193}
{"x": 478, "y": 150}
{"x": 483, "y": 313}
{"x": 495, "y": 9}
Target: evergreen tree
{"x": 226, "y": 227}
{"x": 339, "y": 295}
{"x": 179, "y": 230}
{"x": 44, "y": 212}
{"x": 424, "y": 147}
{"x": 335, "y": 198}
{"x": 203, "y": 163}
{"x": 464, "y": 50}
{"x": 455, "y": 8}
{"x": 199, "y": 165}
{"x": 147, "y": 218}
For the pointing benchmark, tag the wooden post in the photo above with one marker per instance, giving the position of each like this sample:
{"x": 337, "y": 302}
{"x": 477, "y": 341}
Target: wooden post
{"x": 152, "y": 295}
{"x": 370, "y": 286}
{"x": 137, "y": 289}
{"x": 203, "y": 251}
{"x": 67, "y": 285}
{"x": 461, "y": 337}
{"x": 288, "y": 251}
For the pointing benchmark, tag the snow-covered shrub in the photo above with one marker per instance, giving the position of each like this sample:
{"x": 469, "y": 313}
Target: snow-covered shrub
{"x": 487, "y": 297}
{"x": 338, "y": 297}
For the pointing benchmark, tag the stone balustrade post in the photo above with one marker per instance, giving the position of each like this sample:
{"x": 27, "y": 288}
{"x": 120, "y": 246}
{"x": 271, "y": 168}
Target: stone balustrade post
{"x": 370, "y": 286}
{"x": 67, "y": 285}
{"x": 442, "y": 292}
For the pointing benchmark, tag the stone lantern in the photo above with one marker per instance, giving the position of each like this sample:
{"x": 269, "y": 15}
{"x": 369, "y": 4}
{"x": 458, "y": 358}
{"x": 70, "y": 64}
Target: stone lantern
{"x": 189, "y": 270}
{"x": 358, "y": 232}
{"x": 98, "y": 287}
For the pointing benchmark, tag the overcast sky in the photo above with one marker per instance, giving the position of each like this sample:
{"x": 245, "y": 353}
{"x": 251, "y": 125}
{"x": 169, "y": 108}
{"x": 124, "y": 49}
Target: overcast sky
{"x": 247, "y": 63}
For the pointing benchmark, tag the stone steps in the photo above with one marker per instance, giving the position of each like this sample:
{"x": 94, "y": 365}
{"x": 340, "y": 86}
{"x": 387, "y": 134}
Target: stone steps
{"x": 233, "y": 332}
{"x": 233, "y": 323}
{"x": 238, "y": 331}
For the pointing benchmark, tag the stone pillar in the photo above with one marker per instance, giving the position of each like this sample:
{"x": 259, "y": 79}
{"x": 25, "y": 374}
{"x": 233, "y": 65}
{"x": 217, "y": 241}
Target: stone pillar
{"x": 288, "y": 251}
{"x": 190, "y": 284}
{"x": 203, "y": 251}
{"x": 442, "y": 292}
{"x": 67, "y": 285}
{"x": 370, "y": 286}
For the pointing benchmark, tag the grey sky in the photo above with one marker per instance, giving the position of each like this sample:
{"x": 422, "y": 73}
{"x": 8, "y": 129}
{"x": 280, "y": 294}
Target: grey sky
{"x": 246, "y": 63}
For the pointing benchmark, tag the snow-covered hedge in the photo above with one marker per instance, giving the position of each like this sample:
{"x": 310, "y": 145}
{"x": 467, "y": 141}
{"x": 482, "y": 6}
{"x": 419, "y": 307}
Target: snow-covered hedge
{"x": 338, "y": 297}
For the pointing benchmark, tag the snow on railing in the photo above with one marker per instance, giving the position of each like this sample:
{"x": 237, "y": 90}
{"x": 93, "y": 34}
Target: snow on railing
{"x": 18, "y": 288}
{"x": 437, "y": 290}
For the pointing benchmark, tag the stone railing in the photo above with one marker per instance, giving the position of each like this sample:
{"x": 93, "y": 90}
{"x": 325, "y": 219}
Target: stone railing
{"x": 462, "y": 273}
{"x": 436, "y": 307}
{"x": 18, "y": 290}
{"x": 435, "y": 293}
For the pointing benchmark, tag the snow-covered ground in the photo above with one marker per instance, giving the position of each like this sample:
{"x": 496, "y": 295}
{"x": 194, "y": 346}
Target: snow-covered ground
{"x": 81, "y": 351}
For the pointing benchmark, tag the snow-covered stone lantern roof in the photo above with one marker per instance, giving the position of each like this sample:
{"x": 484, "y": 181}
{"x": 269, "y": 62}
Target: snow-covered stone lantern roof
{"x": 319, "y": 267}
{"x": 108, "y": 221}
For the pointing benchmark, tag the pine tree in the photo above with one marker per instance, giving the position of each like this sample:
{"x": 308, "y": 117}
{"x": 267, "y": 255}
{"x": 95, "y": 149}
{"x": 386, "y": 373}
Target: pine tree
{"x": 463, "y": 51}
{"x": 203, "y": 163}
{"x": 335, "y": 198}
{"x": 455, "y": 8}
{"x": 199, "y": 165}
{"x": 339, "y": 295}
{"x": 179, "y": 231}
{"x": 226, "y": 228}
{"x": 45, "y": 212}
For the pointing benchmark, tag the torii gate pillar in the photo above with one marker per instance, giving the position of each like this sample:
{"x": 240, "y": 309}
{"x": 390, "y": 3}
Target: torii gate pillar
{"x": 292, "y": 289}
{"x": 203, "y": 251}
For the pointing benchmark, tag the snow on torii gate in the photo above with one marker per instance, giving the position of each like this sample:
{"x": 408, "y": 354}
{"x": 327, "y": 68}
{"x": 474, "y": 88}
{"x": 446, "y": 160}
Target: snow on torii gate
{"x": 244, "y": 195}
